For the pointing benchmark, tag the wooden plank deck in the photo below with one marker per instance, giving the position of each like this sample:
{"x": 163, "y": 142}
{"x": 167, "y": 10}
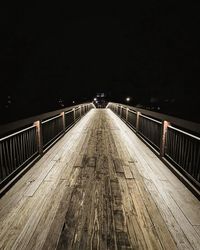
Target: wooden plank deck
{"x": 99, "y": 187}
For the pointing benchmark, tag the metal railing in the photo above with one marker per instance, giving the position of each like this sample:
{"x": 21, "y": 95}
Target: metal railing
{"x": 150, "y": 129}
{"x": 184, "y": 150}
{"x": 17, "y": 149}
{"x": 23, "y": 142}
{"x": 175, "y": 141}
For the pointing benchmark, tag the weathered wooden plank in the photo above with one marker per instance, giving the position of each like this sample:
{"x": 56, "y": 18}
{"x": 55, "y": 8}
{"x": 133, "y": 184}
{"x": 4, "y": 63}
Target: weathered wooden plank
{"x": 37, "y": 182}
{"x": 118, "y": 165}
{"x": 197, "y": 229}
{"x": 127, "y": 172}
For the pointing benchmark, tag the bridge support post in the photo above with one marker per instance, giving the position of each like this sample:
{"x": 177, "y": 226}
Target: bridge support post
{"x": 165, "y": 125}
{"x": 80, "y": 111}
{"x": 137, "y": 121}
{"x": 74, "y": 114}
{"x": 127, "y": 109}
{"x": 120, "y": 111}
{"x": 38, "y": 125}
{"x": 63, "y": 121}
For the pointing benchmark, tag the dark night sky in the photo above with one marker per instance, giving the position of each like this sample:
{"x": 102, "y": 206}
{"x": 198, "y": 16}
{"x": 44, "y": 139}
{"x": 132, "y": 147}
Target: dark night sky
{"x": 149, "y": 53}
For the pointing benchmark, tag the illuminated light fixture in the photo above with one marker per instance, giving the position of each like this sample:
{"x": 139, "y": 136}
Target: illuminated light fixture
{"x": 95, "y": 99}
{"x": 128, "y": 99}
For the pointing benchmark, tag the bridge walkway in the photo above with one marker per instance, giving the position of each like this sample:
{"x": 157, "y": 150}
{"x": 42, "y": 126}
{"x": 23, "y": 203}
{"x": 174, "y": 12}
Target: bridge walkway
{"x": 99, "y": 187}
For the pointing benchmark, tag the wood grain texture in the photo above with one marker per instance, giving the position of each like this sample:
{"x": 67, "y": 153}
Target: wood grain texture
{"x": 100, "y": 188}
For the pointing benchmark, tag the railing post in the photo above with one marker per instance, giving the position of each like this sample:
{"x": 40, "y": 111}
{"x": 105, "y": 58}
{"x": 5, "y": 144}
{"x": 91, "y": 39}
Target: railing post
{"x": 39, "y": 136}
{"x": 120, "y": 111}
{"x": 137, "y": 121}
{"x": 80, "y": 111}
{"x": 74, "y": 114}
{"x": 127, "y": 109}
{"x": 63, "y": 120}
{"x": 165, "y": 125}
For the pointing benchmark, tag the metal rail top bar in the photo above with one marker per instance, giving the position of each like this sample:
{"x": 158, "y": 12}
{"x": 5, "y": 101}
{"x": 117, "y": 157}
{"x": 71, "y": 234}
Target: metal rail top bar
{"x": 53, "y": 118}
{"x": 192, "y": 126}
{"x": 9, "y": 127}
{"x": 132, "y": 111}
{"x": 69, "y": 111}
{"x": 183, "y": 132}
{"x": 16, "y": 133}
{"x": 151, "y": 118}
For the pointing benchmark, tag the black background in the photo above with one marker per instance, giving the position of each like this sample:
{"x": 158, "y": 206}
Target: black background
{"x": 53, "y": 56}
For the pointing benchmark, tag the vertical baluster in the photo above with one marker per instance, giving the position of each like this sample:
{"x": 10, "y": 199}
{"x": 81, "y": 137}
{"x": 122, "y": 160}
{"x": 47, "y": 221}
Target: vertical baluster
{"x": 176, "y": 147}
{"x": 19, "y": 148}
{"x": 197, "y": 172}
{"x": 185, "y": 151}
{"x": 32, "y": 137}
{"x": 189, "y": 156}
{"x": 8, "y": 156}
{"x": 31, "y": 140}
{"x": 25, "y": 145}
{"x": 182, "y": 150}
{"x": 26, "y": 139}
{"x": 22, "y": 146}
{"x": 11, "y": 153}
{"x": 5, "y": 158}
{"x": 2, "y": 163}
{"x": 193, "y": 160}
{"x": 35, "y": 140}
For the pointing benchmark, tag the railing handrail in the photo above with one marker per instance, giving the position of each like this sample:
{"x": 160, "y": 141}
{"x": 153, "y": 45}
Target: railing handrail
{"x": 145, "y": 116}
{"x": 12, "y": 126}
{"x": 16, "y": 133}
{"x": 52, "y": 118}
{"x": 188, "y": 125}
{"x": 186, "y": 133}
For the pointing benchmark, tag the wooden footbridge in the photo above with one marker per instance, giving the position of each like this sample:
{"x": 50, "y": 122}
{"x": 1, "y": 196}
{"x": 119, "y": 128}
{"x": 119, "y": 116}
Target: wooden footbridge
{"x": 87, "y": 178}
